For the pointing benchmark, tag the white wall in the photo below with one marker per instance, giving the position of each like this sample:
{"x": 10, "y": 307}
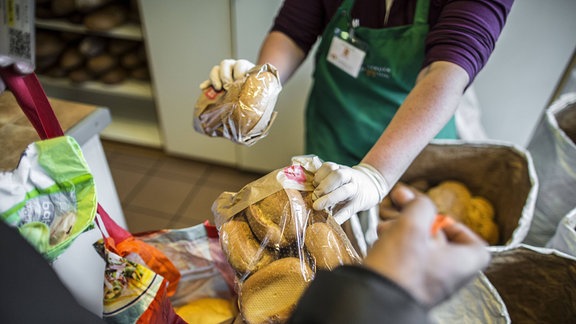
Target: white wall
{"x": 530, "y": 57}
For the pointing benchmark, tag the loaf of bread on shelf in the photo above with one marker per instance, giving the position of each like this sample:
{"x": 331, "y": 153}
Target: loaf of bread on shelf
{"x": 101, "y": 64}
{"x": 106, "y": 17}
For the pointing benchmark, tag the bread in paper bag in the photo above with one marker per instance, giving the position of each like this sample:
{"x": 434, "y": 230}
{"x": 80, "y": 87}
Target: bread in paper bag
{"x": 244, "y": 111}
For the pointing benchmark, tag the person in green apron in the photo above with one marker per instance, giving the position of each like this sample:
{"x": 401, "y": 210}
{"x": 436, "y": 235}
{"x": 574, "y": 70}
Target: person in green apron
{"x": 378, "y": 96}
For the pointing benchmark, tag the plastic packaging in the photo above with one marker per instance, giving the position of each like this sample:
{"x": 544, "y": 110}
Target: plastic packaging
{"x": 276, "y": 242}
{"x": 244, "y": 111}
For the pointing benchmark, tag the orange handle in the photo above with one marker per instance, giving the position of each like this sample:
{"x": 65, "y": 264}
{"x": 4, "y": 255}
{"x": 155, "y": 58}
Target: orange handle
{"x": 440, "y": 222}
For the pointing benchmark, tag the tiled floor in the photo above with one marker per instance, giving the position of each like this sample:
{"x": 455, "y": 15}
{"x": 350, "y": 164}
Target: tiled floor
{"x": 159, "y": 191}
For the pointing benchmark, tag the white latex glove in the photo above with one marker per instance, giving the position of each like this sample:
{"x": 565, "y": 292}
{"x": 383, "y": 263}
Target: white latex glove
{"x": 19, "y": 66}
{"x": 353, "y": 189}
{"x": 227, "y": 71}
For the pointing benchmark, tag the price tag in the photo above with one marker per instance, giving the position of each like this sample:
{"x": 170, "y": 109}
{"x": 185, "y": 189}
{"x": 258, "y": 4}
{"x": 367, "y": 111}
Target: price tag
{"x": 17, "y": 32}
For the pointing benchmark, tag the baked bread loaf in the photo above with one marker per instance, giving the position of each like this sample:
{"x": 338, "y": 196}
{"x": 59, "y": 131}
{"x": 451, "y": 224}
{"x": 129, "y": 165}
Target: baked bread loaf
{"x": 481, "y": 219}
{"x": 101, "y": 64}
{"x": 326, "y": 247}
{"x": 242, "y": 250}
{"x": 257, "y": 95}
{"x": 277, "y": 219}
{"x": 451, "y": 198}
{"x": 454, "y": 199}
{"x": 106, "y": 17}
{"x": 271, "y": 294}
{"x": 244, "y": 112}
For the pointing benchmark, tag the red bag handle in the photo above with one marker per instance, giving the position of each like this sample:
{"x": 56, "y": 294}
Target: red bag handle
{"x": 33, "y": 101}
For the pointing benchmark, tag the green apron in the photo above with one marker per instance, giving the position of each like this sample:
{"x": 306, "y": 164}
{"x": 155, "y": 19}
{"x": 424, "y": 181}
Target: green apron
{"x": 346, "y": 115}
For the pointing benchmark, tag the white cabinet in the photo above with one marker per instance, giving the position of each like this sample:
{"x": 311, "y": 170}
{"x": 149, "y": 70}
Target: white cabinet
{"x": 185, "y": 39}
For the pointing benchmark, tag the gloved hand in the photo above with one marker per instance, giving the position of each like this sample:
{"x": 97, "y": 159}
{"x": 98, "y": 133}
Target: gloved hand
{"x": 227, "y": 71}
{"x": 353, "y": 189}
{"x": 19, "y": 66}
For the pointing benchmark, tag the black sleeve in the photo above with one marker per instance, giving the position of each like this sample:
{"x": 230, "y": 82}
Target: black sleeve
{"x": 352, "y": 294}
{"x": 31, "y": 290}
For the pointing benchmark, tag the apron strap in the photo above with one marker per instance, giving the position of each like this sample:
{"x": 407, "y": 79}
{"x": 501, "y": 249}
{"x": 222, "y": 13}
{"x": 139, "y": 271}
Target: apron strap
{"x": 421, "y": 14}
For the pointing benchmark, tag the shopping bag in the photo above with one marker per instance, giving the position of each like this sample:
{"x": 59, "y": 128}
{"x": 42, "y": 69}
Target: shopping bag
{"x": 195, "y": 251}
{"x": 138, "y": 278}
{"x": 50, "y": 197}
{"x": 553, "y": 148}
{"x": 136, "y": 289}
{"x": 536, "y": 284}
{"x": 275, "y": 241}
{"x": 564, "y": 239}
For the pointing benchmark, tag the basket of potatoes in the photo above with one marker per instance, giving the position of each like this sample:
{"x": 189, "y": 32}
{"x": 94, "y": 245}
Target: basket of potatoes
{"x": 489, "y": 186}
{"x": 275, "y": 241}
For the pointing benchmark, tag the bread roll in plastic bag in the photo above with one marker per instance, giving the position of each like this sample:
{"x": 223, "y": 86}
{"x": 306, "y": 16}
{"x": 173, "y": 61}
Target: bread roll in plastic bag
{"x": 276, "y": 242}
{"x": 244, "y": 111}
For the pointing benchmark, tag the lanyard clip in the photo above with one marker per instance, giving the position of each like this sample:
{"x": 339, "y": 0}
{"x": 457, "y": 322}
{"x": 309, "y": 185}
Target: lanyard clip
{"x": 354, "y": 25}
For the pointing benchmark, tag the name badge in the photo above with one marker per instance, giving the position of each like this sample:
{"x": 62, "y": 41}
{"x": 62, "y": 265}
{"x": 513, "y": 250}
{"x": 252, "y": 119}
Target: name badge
{"x": 346, "y": 56}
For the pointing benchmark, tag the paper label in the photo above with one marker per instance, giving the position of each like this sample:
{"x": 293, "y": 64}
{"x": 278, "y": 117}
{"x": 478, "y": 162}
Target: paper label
{"x": 346, "y": 56}
{"x": 17, "y": 36}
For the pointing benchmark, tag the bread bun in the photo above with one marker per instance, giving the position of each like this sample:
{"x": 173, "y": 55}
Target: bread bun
{"x": 276, "y": 219}
{"x": 102, "y": 63}
{"x": 326, "y": 246}
{"x": 106, "y": 18}
{"x": 271, "y": 294}
{"x": 255, "y": 99}
{"x": 451, "y": 198}
{"x": 242, "y": 251}
{"x": 314, "y": 216}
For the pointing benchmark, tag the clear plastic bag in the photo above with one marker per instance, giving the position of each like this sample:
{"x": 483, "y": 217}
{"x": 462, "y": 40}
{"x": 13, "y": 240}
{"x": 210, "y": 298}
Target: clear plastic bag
{"x": 276, "y": 242}
{"x": 244, "y": 111}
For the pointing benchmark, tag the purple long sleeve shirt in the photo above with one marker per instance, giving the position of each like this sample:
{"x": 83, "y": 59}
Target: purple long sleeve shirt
{"x": 463, "y": 32}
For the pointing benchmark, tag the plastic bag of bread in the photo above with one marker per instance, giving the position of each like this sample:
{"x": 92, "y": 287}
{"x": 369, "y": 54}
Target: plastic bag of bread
{"x": 244, "y": 111}
{"x": 276, "y": 242}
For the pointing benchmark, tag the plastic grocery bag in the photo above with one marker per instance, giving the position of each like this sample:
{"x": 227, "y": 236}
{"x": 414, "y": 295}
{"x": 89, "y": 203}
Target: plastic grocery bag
{"x": 176, "y": 270}
{"x": 50, "y": 197}
{"x": 135, "y": 294}
{"x": 275, "y": 241}
{"x": 138, "y": 278}
{"x": 244, "y": 111}
{"x": 196, "y": 253}
{"x": 553, "y": 148}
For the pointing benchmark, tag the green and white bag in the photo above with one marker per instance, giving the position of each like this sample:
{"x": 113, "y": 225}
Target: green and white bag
{"x": 50, "y": 197}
